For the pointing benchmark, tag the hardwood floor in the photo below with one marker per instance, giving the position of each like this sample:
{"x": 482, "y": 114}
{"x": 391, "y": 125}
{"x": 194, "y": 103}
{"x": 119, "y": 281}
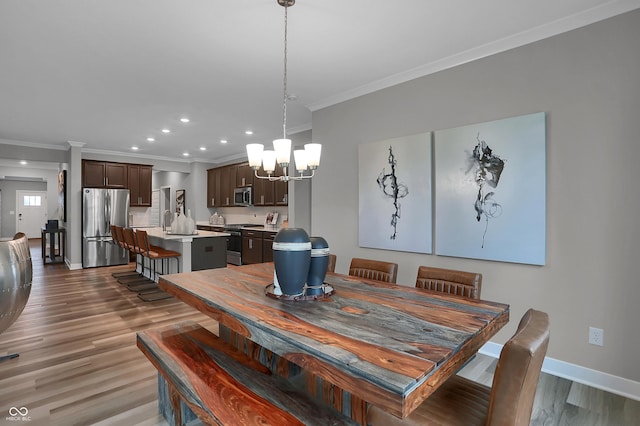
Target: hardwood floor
{"x": 79, "y": 364}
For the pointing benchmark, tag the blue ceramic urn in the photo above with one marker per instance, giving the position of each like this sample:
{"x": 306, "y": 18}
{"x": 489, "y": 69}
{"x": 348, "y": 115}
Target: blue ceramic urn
{"x": 319, "y": 263}
{"x": 292, "y": 257}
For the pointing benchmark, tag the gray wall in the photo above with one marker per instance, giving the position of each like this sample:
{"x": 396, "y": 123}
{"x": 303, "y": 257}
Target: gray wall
{"x": 587, "y": 81}
{"x": 49, "y": 184}
{"x": 9, "y": 189}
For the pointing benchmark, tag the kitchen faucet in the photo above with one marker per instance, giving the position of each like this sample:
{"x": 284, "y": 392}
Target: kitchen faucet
{"x": 164, "y": 220}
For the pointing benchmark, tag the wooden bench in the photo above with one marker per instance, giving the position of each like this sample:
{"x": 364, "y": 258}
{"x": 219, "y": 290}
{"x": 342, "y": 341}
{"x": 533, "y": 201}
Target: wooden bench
{"x": 225, "y": 387}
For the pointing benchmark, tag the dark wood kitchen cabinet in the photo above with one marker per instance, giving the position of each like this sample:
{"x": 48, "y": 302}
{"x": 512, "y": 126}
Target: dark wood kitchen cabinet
{"x": 263, "y": 192}
{"x": 281, "y": 189}
{"x": 213, "y": 188}
{"x": 104, "y": 174}
{"x": 244, "y": 175}
{"x": 222, "y": 181}
{"x": 267, "y": 245}
{"x": 139, "y": 181}
{"x": 134, "y": 177}
{"x": 251, "y": 247}
{"x": 227, "y": 184}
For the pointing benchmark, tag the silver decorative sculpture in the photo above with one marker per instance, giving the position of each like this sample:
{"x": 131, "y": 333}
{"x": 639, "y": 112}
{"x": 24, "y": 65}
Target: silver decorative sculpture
{"x": 16, "y": 274}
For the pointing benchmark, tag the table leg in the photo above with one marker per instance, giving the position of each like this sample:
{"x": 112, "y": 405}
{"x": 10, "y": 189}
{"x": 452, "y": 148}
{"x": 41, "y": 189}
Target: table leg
{"x": 320, "y": 389}
{"x": 52, "y": 247}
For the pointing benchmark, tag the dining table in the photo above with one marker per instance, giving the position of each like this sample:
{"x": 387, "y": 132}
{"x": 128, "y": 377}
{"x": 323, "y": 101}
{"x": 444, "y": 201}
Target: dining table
{"x": 359, "y": 342}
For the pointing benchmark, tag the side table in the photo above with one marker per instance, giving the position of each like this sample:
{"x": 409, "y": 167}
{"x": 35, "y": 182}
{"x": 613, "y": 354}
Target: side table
{"x": 54, "y": 235}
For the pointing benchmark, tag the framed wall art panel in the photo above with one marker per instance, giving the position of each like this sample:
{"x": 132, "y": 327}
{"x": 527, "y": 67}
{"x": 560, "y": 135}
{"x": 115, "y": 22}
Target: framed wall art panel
{"x": 394, "y": 187}
{"x": 490, "y": 190}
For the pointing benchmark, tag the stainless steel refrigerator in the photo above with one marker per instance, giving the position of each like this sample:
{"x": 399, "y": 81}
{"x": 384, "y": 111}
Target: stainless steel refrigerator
{"x": 102, "y": 208}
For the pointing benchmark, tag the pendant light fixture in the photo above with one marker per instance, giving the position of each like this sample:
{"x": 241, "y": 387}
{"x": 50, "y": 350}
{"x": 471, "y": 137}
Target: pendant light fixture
{"x": 305, "y": 159}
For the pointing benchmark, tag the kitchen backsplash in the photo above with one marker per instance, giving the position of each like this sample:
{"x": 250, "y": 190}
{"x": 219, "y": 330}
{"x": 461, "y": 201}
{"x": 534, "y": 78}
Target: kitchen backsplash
{"x": 141, "y": 216}
{"x": 255, "y": 215}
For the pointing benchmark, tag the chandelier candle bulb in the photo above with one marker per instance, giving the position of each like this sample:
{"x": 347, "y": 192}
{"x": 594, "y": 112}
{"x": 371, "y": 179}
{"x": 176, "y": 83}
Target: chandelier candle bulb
{"x": 300, "y": 157}
{"x": 269, "y": 161}
{"x": 283, "y": 151}
{"x": 254, "y": 153}
{"x": 313, "y": 151}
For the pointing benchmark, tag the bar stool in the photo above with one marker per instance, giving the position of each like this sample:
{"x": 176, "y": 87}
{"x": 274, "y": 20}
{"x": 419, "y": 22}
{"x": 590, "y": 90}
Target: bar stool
{"x": 118, "y": 239}
{"x": 140, "y": 282}
{"x": 155, "y": 253}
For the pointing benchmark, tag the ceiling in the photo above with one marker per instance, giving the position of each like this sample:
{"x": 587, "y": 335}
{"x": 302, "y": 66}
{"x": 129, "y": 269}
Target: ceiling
{"x": 109, "y": 74}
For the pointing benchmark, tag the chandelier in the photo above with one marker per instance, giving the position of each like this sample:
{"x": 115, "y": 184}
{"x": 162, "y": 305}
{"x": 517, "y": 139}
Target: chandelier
{"x": 305, "y": 159}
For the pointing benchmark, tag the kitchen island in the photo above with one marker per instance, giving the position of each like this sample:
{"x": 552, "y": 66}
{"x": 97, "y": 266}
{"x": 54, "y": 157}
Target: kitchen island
{"x": 203, "y": 250}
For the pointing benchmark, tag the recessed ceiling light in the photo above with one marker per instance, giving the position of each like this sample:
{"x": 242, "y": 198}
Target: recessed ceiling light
{"x": 186, "y": 154}
{"x": 185, "y": 120}
{"x": 151, "y": 139}
{"x": 223, "y": 141}
{"x": 23, "y": 162}
{"x": 135, "y": 148}
{"x": 203, "y": 148}
{"x": 248, "y": 132}
{"x": 166, "y": 131}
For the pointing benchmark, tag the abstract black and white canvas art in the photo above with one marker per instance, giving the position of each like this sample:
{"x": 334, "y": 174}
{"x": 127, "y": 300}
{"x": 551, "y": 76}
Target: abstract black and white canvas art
{"x": 490, "y": 190}
{"x": 394, "y": 182}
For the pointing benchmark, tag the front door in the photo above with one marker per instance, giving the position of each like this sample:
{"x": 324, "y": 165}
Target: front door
{"x": 31, "y": 212}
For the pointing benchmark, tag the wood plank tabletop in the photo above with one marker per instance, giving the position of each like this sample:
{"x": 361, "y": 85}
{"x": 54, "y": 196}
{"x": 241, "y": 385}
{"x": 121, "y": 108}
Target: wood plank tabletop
{"x": 390, "y": 345}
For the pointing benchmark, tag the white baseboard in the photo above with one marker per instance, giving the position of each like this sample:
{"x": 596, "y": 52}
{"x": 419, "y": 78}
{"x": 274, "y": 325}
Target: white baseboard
{"x": 73, "y": 266}
{"x": 586, "y": 376}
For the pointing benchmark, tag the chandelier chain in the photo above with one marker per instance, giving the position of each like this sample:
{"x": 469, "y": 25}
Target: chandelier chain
{"x": 284, "y": 94}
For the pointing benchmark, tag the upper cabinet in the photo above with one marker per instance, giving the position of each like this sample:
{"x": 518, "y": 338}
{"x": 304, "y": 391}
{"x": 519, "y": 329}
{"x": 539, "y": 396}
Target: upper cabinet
{"x": 134, "y": 177}
{"x": 281, "y": 188}
{"x": 103, "y": 174}
{"x": 213, "y": 187}
{"x": 139, "y": 178}
{"x": 222, "y": 181}
{"x": 244, "y": 175}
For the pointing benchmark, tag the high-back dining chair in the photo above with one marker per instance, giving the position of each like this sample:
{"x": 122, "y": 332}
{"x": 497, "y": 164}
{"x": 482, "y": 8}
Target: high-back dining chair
{"x": 509, "y": 401}
{"x": 451, "y": 281}
{"x": 331, "y": 266}
{"x": 374, "y": 270}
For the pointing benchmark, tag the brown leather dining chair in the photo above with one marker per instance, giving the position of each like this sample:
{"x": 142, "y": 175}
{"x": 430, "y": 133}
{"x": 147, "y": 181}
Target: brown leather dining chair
{"x": 374, "y": 270}
{"x": 450, "y": 281}
{"x": 509, "y": 401}
{"x": 331, "y": 266}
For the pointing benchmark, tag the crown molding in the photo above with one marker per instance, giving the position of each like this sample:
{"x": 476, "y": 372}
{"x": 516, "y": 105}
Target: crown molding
{"x": 590, "y": 16}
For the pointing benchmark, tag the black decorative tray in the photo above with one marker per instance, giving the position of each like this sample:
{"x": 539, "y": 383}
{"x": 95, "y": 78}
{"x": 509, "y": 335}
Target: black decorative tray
{"x": 327, "y": 291}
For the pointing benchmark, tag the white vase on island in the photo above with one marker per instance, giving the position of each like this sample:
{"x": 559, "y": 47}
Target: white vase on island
{"x": 182, "y": 224}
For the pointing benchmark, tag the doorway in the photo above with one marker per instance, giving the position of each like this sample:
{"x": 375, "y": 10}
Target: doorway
{"x": 165, "y": 205}
{"x": 31, "y": 212}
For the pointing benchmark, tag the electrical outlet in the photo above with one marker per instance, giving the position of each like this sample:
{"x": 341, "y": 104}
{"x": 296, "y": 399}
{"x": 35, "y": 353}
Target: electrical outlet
{"x": 596, "y": 336}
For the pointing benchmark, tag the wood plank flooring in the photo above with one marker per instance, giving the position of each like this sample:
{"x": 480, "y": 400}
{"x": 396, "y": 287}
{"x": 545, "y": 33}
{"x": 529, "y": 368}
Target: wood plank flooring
{"x": 79, "y": 364}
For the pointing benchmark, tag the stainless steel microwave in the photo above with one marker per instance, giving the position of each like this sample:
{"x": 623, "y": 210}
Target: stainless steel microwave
{"x": 243, "y": 196}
